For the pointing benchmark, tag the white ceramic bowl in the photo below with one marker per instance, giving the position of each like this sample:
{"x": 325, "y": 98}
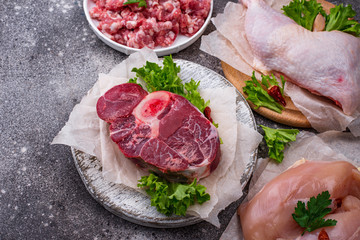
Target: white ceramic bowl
{"x": 180, "y": 43}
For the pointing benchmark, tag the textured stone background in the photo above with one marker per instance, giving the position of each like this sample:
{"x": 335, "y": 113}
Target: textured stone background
{"x": 49, "y": 59}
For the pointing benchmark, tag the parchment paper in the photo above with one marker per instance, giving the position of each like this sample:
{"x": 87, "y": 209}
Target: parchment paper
{"x": 229, "y": 44}
{"x": 327, "y": 146}
{"x": 86, "y": 132}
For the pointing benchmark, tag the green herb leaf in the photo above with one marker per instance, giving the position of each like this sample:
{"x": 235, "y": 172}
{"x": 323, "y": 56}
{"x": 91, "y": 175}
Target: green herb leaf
{"x": 311, "y": 218}
{"x": 194, "y": 96}
{"x": 304, "y": 12}
{"x": 166, "y": 78}
{"x": 276, "y": 139}
{"x": 133, "y": 80}
{"x": 268, "y": 81}
{"x": 282, "y": 85}
{"x": 338, "y": 19}
{"x": 157, "y": 78}
{"x": 217, "y": 126}
{"x": 142, "y": 3}
{"x": 169, "y": 198}
{"x": 259, "y": 96}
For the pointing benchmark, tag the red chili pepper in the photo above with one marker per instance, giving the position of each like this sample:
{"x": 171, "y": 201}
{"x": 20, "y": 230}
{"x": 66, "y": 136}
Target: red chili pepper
{"x": 207, "y": 112}
{"x": 275, "y": 92}
{"x": 323, "y": 235}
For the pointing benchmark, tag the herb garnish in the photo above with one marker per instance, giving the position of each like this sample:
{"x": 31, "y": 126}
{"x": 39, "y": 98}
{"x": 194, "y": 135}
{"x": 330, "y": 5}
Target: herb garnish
{"x": 170, "y": 197}
{"x": 340, "y": 18}
{"x": 312, "y": 217}
{"x": 166, "y": 78}
{"x": 304, "y": 12}
{"x": 276, "y": 139}
{"x": 142, "y": 3}
{"x": 259, "y": 96}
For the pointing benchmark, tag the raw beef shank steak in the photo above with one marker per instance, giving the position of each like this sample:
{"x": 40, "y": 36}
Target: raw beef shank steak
{"x": 161, "y": 131}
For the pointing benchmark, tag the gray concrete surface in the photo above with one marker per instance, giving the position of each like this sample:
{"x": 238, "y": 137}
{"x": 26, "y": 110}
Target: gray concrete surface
{"x": 49, "y": 59}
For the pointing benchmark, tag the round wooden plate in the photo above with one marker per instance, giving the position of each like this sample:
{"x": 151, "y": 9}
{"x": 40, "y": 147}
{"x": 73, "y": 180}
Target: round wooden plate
{"x": 291, "y": 115}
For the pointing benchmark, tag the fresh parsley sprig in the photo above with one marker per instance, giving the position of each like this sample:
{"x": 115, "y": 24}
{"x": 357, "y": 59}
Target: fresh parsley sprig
{"x": 141, "y": 3}
{"x": 276, "y": 139}
{"x": 312, "y": 216}
{"x": 172, "y": 198}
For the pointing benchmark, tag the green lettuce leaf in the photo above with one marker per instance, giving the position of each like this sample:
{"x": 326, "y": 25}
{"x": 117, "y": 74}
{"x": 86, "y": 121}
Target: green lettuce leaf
{"x": 259, "y": 96}
{"x": 172, "y": 198}
{"x": 194, "y": 96}
{"x": 304, "y": 12}
{"x": 166, "y": 78}
{"x": 276, "y": 139}
{"x": 340, "y": 18}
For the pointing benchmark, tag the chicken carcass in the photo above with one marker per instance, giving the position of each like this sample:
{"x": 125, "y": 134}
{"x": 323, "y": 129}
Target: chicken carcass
{"x": 268, "y": 215}
{"x": 325, "y": 63}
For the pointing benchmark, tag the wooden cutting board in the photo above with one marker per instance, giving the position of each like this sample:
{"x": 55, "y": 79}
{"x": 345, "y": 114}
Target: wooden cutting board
{"x": 291, "y": 115}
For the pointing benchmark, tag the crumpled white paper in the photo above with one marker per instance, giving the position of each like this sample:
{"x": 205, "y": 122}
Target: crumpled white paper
{"x": 327, "y": 146}
{"x": 86, "y": 132}
{"x": 229, "y": 44}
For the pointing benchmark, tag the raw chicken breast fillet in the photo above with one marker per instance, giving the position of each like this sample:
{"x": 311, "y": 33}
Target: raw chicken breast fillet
{"x": 325, "y": 63}
{"x": 269, "y": 214}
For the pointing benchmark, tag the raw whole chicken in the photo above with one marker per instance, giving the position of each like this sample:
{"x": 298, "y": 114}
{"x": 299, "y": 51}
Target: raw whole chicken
{"x": 325, "y": 63}
{"x": 269, "y": 214}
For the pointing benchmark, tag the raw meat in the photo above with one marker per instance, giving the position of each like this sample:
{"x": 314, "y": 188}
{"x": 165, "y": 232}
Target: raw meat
{"x": 161, "y": 131}
{"x": 156, "y": 25}
{"x": 325, "y": 63}
{"x": 268, "y": 214}
{"x": 194, "y": 13}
